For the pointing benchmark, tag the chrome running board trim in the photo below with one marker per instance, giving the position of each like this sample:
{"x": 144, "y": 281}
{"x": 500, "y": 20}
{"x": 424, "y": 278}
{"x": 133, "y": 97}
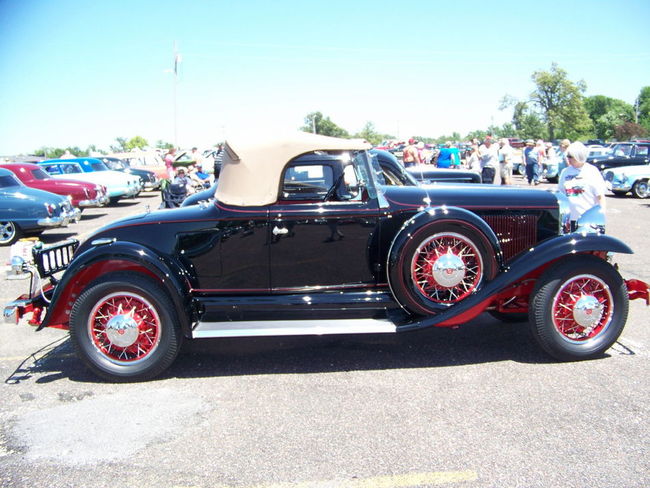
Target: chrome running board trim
{"x": 206, "y": 330}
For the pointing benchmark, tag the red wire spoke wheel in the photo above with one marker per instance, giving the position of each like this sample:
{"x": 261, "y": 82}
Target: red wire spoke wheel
{"x": 578, "y": 308}
{"x": 582, "y": 308}
{"x": 124, "y": 327}
{"x": 446, "y": 267}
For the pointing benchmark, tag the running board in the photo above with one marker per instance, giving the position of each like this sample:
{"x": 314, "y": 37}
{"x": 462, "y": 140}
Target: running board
{"x": 206, "y": 330}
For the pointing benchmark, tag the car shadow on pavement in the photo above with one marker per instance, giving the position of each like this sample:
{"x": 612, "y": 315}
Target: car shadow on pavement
{"x": 484, "y": 340}
{"x": 86, "y": 216}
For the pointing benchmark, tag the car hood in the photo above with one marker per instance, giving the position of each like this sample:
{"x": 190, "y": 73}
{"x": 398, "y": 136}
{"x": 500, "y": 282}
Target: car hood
{"x": 470, "y": 196}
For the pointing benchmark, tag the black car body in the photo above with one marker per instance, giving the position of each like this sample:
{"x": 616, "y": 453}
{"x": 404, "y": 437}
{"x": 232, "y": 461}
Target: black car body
{"x": 303, "y": 238}
{"x": 148, "y": 178}
{"x": 623, "y": 154}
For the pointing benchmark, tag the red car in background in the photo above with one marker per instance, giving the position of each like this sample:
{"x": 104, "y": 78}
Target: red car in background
{"x": 83, "y": 195}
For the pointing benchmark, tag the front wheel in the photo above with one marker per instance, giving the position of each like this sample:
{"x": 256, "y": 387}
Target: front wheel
{"x": 640, "y": 189}
{"x": 123, "y": 328}
{"x": 578, "y": 308}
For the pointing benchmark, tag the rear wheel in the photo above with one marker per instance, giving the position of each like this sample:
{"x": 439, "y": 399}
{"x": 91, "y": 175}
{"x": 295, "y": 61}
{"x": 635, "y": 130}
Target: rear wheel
{"x": 579, "y": 308}
{"x": 640, "y": 189}
{"x": 124, "y": 329}
{"x": 9, "y": 233}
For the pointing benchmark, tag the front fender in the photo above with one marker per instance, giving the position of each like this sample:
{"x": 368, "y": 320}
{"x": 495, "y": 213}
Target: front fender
{"x": 527, "y": 262}
{"x": 119, "y": 256}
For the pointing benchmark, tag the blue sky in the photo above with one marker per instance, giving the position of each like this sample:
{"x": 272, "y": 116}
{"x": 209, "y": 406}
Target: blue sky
{"x": 74, "y": 73}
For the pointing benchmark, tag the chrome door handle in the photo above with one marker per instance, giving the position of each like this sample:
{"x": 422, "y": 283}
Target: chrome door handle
{"x": 277, "y": 231}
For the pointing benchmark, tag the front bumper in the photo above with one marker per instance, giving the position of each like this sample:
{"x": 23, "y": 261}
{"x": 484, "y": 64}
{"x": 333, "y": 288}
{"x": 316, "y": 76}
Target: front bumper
{"x": 62, "y": 220}
{"x": 618, "y": 185}
{"x": 96, "y": 202}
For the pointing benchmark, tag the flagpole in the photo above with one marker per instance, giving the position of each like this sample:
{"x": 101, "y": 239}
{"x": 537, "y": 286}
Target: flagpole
{"x": 175, "y": 102}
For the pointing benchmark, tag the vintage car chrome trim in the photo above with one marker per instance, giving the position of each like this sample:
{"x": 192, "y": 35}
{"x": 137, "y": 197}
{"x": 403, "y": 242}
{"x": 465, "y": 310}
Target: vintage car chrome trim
{"x": 592, "y": 221}
{"x": 103, "y": 241}
{"x": 205, "y": 330}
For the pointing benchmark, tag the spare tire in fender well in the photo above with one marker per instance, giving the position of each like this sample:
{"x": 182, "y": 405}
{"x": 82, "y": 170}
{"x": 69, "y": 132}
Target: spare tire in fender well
{"x": 472, "y": 255}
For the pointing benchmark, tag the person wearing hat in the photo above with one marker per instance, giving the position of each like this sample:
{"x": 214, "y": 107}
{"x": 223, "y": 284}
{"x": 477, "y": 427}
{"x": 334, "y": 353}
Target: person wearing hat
{"x": 410, "y": 155}
{"x": 581, "y": 182}
{"x": 182, "y": 179}
{"x": 533, "y": 166}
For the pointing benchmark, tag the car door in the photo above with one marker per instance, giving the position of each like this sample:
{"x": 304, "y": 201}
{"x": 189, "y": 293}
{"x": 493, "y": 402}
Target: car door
{"x": 640, "y": 154}
{"x": 322, "y": 229}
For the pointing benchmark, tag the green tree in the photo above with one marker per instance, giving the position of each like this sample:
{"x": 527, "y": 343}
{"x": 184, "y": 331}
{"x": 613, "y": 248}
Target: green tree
{"x": 136, "y": 142}
{"x": 160, "y": 144}
{"x": 608, "y": 113}
{"x": 120, "y": 146}
{"x": 371, "y": 135}
{"x": 560, "y": 103}
{"x": 316, "y": 123}
{"x": 642, "y": 105}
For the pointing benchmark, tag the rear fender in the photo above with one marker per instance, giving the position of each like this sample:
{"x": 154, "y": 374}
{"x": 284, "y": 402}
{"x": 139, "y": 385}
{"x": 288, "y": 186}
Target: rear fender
{"x": 526, "y": 265}
{"x": 119, "y": 256}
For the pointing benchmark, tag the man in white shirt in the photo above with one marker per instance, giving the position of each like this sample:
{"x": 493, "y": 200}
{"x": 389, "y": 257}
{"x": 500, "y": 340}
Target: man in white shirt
{"x": 581, "y": 182}
{"x": 488, "y": 153}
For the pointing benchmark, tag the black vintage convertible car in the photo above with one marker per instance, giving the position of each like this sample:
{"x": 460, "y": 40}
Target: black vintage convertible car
{"x": 305, "y": 236}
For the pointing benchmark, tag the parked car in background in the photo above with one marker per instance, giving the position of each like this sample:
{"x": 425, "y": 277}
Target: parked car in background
{"x": 425, "y": 174}
{"x": 82, "y": 194}
{"x": 628, "y": 179}
{"x": 25, "y": 210}
{"x": 303, "y": 238}
{"x": 623, "y": 154}
{"x": 147, "y": 160}
{"x": 118, "y": 185}
{"x": 148, "y": 178}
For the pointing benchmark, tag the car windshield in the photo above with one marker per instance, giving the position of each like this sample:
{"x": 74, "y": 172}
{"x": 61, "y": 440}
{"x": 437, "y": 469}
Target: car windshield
{"x": 39, "y": 174}
{"x": 116, "y": 165}
{"x": 622, "y": 149}
{"x": 99, "y": 166}
{"x": 7, "y": 181}
{"x": 362, "y": 165}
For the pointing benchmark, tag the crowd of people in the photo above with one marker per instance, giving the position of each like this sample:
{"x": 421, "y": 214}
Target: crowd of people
{"x": 579, "y": 181}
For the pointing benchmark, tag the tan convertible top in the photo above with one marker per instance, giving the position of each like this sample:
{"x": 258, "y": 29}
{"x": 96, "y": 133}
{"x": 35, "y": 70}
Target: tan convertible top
{"x": 252, "y": 166}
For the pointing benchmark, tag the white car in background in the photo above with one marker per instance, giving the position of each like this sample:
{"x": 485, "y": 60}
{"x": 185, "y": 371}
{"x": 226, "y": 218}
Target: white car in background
{"x": 628, "y": 179}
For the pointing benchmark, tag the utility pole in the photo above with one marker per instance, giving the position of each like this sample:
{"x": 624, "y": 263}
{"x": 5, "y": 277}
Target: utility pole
{"x": 177, "y": 60}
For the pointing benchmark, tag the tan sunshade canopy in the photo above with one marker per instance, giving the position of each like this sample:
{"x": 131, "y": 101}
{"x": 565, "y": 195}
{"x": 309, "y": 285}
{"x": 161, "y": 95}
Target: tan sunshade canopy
{"x": 252, "y": 166}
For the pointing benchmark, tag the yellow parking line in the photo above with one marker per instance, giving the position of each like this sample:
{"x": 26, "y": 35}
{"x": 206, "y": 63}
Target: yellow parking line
{"x": 393, "y": 481}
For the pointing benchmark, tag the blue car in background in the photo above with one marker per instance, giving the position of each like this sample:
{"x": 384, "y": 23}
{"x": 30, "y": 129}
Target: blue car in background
{"x": 118, "y": 185}
{"x": 25, "y": 210}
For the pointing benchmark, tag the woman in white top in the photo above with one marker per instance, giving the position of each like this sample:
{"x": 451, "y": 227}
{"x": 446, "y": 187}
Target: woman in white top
{"x": 581, "y": 182}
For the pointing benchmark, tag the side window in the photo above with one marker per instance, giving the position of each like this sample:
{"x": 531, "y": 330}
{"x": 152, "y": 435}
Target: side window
{"x": 307, "y": 182}
{"x": 642, "y": 151}
{"x": 53, "y": 170}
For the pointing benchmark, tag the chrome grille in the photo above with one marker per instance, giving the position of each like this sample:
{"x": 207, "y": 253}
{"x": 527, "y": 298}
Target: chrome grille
{"x": 516, "y": 233}
{"x": 54, "y": 258}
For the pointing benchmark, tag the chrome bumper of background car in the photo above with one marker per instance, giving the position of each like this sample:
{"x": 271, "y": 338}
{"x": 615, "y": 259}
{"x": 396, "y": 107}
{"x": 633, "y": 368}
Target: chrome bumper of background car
{"x": 62, "y": 220}
{"x": 152, "y": 185}
{"x": 97, "y": 202}
{"x": 618, "y": 185}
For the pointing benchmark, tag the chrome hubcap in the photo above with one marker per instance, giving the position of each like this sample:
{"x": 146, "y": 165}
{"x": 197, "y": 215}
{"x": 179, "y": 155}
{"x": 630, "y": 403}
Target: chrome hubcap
{"x": 122, "y": 330}
{"x": 588, "y": 311}
{"x": 448, "y": 270}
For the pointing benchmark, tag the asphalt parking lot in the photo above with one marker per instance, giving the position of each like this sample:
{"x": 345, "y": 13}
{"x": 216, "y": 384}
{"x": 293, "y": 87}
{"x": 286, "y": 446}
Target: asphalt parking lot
{"x": 478, "y": 406}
